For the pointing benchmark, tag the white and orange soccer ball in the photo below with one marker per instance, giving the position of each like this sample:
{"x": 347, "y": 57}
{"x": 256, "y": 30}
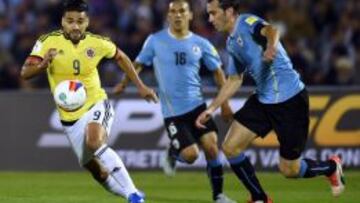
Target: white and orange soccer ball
{"x": 70, "y": 95}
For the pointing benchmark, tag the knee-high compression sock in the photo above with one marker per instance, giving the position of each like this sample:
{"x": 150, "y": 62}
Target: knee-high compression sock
{"x": 215, "y": 174}
{"x": 116, "y": 168}
{"x": 112, "y": 186}
{"x": 246, "y": 173}
{"x": 310, "y": 168}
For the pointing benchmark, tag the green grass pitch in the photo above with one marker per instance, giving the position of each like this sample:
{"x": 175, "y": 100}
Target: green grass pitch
{"x": 185, "y": 187}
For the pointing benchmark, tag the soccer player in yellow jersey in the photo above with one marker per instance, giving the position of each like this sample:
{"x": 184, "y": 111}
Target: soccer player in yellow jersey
{"x": 73, "y": 53}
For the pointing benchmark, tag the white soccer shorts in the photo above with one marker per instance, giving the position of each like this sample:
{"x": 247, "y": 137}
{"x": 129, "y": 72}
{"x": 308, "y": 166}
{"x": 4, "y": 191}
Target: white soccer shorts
{"x": 102, "y": 113}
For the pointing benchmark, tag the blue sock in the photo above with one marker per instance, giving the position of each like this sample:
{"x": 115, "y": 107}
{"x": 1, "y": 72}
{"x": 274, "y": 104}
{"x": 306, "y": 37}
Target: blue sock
{"x": 215, "y": 174}
{"x": 310, "y": 168}
{"x": 246, "y": 173}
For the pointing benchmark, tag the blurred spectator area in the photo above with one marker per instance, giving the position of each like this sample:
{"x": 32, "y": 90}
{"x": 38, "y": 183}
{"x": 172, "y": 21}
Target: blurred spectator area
{"x": 321, "y": 37}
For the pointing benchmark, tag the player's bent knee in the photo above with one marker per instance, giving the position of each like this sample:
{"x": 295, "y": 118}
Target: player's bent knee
{"x": 93, "y": 144}
{"x": 289, "y": 172}
{"x": 230, "y": 150}
{"x": 190, "y": 154}
{"x": 190, "y": 157}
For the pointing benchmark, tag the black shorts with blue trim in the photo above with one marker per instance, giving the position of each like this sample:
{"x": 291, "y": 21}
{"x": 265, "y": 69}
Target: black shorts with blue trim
{"x": 289, "y": 120}
{"x": 183, "y": 132}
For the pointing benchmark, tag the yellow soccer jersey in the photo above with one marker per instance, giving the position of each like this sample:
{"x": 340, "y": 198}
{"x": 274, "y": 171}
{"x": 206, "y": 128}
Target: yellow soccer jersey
{"x": 76, "y": 62}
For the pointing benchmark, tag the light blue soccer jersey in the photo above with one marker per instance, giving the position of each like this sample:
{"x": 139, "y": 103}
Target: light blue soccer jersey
{"x": 176, "y": 65}
{"x": 276, "y": 81}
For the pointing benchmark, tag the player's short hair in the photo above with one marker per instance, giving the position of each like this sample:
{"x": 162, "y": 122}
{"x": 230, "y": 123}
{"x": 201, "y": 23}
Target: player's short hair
{"x": 75, "y": 5}
{"x": 225, "y": 4}
{"x": 189, "y": 2}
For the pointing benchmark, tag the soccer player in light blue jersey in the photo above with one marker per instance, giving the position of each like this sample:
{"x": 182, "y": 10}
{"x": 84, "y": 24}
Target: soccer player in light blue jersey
{"x": 280, "y": 102}
{"x": 176, "y": 54}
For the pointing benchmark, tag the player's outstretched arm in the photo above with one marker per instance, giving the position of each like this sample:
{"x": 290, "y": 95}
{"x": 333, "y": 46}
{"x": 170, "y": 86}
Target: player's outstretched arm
{"x": 232, "y": 84}
{"x": 125, "y": 64}
{"x": 121, "y": 86}
{"x": 220, "y": 80}
{"x": 35, "y": 65}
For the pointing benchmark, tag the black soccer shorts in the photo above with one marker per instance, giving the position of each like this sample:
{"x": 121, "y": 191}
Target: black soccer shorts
{"x": 183, "y": 132}
{"x": 289, "y": 120}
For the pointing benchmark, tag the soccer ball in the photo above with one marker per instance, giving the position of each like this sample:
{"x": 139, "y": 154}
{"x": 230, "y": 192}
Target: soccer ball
{"x": 70, "y": 95}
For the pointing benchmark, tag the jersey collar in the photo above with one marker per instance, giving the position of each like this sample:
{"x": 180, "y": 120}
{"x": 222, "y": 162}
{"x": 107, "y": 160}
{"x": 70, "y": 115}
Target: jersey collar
{"x": 185, "y": 37}
{"x": 233, "y": 32}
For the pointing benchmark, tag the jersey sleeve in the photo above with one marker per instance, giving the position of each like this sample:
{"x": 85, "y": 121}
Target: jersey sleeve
{"x": 39, "y": 49}
{"x": 147, "y": 52}
{"x": 234, "y": 67}
{"x": 108, "y": 47}
{"x": 211, "y": 57}
{"x": 254, "y": 23}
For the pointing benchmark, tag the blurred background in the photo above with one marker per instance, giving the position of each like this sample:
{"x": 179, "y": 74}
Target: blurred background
{"x": 322, "y": 37}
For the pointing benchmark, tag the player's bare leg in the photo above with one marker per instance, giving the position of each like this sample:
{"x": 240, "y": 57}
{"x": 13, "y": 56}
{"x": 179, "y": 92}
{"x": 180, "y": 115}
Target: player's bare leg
{"x": 236, "y": 141}
{"x": 189, "y": 154}
{"x": 214, "y": 167}
{"x": 307, "y": 168}
{"x": 106, "y": 159}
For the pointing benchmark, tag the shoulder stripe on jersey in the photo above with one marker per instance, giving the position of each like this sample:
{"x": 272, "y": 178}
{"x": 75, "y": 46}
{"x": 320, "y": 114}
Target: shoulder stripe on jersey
{"x": 54, "y": 33}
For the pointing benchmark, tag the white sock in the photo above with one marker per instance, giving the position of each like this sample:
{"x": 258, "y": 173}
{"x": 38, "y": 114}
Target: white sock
{"x": 116, "y": 168}
{"x": 112, "y": 186}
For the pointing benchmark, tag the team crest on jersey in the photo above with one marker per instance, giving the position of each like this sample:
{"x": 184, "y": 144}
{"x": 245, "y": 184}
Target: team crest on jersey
{"x": 196, "y": 49}
{"x": 240, "y": 41}
{"x": 90, "y": 52}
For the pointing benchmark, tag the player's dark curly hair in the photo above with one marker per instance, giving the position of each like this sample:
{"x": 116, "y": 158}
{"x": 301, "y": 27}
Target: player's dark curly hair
{"x": 235, "y": 4}
{"x": 75, "y": 5}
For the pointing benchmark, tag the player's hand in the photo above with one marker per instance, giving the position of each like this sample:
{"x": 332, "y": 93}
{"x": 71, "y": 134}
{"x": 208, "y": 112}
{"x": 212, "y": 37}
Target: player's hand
{"x": 119, "y": 88}
{"x": 49, "y": 56}
{"x": 203, "y": 118}
{"x": 148, "y": 94}
{"x": 226, "y": 112}
{"x": 270, "y": 53}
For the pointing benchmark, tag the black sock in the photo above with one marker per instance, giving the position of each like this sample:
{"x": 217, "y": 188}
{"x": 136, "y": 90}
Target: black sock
{"x": 246, "y": 173}
{"x": 311, "y": 168}
{"x": 215, "y": 174}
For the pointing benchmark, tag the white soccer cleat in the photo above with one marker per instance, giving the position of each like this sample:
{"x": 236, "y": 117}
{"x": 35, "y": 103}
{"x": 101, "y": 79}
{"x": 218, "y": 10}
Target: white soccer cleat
{"x": 168, "y": 164}
{"x": 221, "y": 198}
{"x": 337, "y": 179}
